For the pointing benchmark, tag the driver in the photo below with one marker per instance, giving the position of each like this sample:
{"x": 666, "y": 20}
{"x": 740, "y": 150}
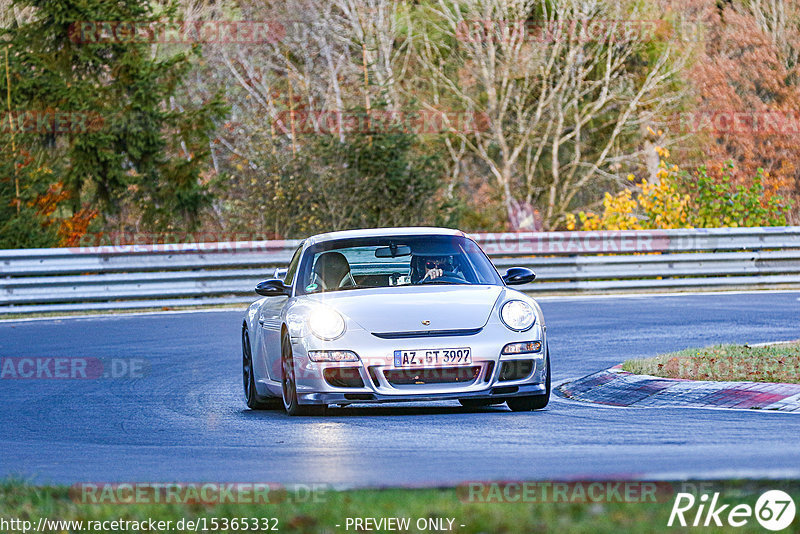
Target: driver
{"x": 429, "y": 268}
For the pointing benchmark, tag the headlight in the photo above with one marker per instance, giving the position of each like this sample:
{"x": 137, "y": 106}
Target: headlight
{"x": 517, "y": 315}
{"x": 326, "y": 323}
{"x": 332, "y": 356}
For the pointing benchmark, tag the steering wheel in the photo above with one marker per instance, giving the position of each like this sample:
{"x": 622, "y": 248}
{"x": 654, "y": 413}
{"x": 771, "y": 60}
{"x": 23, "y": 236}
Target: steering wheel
{"x": 447, "y": 276}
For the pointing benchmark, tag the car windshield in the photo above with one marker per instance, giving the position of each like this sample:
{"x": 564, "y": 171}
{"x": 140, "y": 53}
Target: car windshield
{"x": 394, "y": 261}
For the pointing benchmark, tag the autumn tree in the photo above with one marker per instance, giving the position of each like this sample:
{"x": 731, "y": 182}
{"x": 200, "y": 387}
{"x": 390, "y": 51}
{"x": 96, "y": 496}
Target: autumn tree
{"x": 306, "y": 147}
{"x": 147, "y": 148}
{"x": 567, "y": 86}
{"x": 746, "y": 95}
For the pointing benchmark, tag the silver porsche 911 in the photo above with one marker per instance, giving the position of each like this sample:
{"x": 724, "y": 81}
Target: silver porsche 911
{"x": 390, "y": 315}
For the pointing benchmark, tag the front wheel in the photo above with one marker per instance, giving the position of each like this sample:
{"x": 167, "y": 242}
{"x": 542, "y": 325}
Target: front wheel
{"x": 289, "y": 383}
{"x": 533, "y": 402}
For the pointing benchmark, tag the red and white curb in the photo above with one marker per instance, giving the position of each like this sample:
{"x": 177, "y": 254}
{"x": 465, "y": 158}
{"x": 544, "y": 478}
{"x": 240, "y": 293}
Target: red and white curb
{"x": 616, "y": 387}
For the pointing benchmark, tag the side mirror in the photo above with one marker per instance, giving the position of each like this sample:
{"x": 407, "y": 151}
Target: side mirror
{"x": 273, "y": 288}
{"x": 519, "y": 275}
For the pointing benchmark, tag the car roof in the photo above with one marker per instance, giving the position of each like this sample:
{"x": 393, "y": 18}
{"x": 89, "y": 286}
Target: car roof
{"x": 381, "y": 232}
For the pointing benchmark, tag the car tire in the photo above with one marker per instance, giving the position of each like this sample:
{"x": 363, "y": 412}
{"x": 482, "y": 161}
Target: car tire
{"x": 478, "y": 403}
{"x": 251, "y": 396}
{"x": 289, "y": 386}
{"x": 533, "y": 402}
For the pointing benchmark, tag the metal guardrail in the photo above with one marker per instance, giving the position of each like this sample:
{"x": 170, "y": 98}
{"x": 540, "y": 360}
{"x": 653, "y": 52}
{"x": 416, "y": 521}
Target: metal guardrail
{"x": 166, "y": 276}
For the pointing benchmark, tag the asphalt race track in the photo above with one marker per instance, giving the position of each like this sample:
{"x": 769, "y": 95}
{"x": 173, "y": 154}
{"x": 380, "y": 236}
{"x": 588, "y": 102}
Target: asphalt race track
{"x": 186, "y": 420}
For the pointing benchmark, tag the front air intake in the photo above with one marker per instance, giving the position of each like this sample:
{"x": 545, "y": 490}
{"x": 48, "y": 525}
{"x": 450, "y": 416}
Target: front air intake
{"x": 516, "y": 370}
{"x": 343, "y": 377}
{"x": 438, "y": 375}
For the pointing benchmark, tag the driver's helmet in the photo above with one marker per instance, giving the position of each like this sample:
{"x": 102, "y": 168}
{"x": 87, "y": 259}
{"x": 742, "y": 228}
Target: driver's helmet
{"x": 421, "y": 264}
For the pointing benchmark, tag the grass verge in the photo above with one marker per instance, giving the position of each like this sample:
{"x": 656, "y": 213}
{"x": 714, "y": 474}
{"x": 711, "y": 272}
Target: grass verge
{"x": 331, "y": 508}
{"x": 770, "y": 363}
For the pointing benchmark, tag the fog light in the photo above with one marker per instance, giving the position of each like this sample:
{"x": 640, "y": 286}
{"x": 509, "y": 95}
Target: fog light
{"x": 332, "y": 356}
{"x": 524, "y": 347}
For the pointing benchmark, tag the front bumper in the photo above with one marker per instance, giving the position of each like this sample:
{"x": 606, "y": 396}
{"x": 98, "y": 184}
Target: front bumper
{"x": 483, "y": 378}
{"x": 369, "y": 398}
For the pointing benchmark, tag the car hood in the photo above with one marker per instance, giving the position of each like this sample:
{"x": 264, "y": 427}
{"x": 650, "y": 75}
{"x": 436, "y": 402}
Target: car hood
{"x": 403, "y": 309}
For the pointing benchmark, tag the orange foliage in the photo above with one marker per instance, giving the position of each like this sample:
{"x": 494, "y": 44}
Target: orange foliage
{"x": 74, "y": 228}
{"x": 746, "y": 68}
{"x": 70, "y": 229}
{"x": 47, "y": 203}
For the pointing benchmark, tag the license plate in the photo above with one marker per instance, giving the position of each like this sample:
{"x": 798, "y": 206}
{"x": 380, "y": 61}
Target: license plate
{"x": 419, "y": 358}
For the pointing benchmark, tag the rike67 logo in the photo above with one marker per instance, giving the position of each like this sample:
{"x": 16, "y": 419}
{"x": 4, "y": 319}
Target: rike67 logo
{"x": 774, "y": 510}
